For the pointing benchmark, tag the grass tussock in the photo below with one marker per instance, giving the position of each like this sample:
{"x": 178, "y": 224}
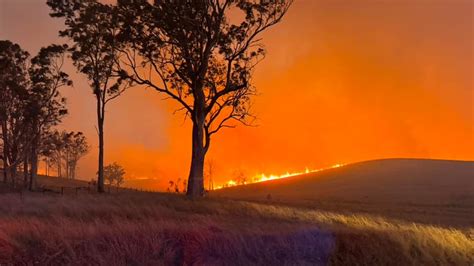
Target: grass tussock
{"x": 150, "y": 229}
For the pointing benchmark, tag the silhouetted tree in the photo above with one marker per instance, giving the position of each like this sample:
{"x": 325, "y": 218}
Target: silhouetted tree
{"x": 65, "y": 149}
{"x": 45, "y": 105}
{"x": 76, "y": 148}
{"x": 30, "y": 104}
{"x": 170, "y": 186}
{"x": 240, "y": 177}
{"x": 13, "y": 94}
{"x": 93, "y": 29}
{"x": 114, "y": 174}
{"x": 192, "y": 52}
{"x": 209, "y": 173}
{"x": 55, "y": 148}
{"x": 176, "y": 185}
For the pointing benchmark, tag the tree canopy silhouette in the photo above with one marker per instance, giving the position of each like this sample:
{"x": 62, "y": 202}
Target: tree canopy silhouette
{"x": 13, "y": 93}
{"x": 45, "y": 105}
{"x": 114, "y": 174}
{"x": 30, "y": 104}
{"x": 93, "y": 29}
{"x": 200, "y": 54}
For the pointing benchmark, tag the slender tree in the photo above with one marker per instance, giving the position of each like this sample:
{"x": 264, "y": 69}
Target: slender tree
{"x": 240, "y": 177}
{"x": 209, "y": 173}
{"x": 199, "y": 55}
{"x": 93, "y": 29}
{"x": 55, "y": 149}
{"x": 45, "y": 105}
{"x": 47, "y": 151}
{"x": 76, "y": 148}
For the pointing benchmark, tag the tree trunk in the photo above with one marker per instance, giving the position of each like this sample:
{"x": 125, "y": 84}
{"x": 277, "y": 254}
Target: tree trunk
{"x": 5, "y": 152}
{"x": 13, "y": 174}
{"x": 100, "y": 121}
{"x": 196, "y": 173}
{"x": 34, "y": 164}
{"x": 67, "y": 165}
{"x": 72, "y": 171}
{"x": 34, "y": 169}
{"x": 5, "y": 170}
{"x": 25, "y": 170}
{"x": 59, "y": 164}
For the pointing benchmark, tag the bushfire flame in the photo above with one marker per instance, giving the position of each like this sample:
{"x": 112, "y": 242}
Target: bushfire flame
{"x": 263, "y": 177}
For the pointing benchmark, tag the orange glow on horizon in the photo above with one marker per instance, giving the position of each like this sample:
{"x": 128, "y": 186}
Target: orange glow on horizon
{"x": 262, "y": 177}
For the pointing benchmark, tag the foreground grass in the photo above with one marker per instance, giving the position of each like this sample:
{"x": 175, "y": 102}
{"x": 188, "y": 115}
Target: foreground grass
{"x": 150, "y": 229}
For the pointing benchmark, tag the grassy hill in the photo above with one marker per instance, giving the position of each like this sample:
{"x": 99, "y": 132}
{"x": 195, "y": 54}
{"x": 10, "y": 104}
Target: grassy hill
{"x": 51, "y": 181}
{"x": 53, "y": 184}
{"x": 432, "y": 191}
{"x": 129, "y": 227}
{"x": 138, "y": 184}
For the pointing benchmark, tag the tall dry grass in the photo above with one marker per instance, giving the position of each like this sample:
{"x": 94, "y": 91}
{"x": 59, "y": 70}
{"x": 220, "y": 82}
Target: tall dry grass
{"x": 151, "y": 229}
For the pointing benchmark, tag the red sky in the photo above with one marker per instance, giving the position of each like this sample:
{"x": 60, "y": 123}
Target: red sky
{"x": 343, "y": 81}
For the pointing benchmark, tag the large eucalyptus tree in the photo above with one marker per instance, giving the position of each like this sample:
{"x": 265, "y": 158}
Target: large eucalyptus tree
{"x": 200, "y": 54}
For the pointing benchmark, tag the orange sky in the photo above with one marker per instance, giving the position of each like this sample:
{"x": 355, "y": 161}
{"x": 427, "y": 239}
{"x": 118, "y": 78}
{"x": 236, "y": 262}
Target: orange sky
{"x": 343, "y": 81}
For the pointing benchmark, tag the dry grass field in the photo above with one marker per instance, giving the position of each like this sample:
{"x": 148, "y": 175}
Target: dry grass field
{"x": 151, "y": 228}
{"x": 437, "y": 192}
{"x": 139, "y": 228}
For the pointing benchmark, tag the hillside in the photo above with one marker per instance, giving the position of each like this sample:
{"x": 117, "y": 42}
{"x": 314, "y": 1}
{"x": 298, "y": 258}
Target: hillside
{"x": 51, "y": 181}
{"x": 440, "y": 190}
{"x": 130, "y": 227}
